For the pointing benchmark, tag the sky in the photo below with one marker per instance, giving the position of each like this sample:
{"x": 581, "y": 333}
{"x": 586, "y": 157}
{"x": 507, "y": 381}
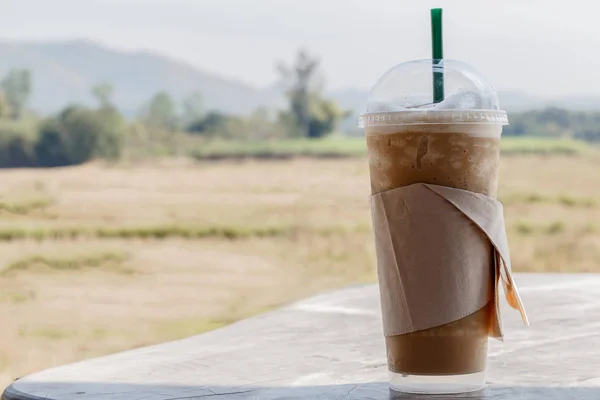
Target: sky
{"x": 548, "y": 48}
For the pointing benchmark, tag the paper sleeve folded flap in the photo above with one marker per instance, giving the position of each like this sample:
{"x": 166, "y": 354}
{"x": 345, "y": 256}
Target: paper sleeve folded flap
{"x": 440, "y": 255}
{"x": 488, "y": 215}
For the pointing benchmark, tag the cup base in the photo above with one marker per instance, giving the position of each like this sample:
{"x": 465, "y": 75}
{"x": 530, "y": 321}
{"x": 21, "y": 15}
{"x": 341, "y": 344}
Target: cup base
{"x": 437, "y": 384}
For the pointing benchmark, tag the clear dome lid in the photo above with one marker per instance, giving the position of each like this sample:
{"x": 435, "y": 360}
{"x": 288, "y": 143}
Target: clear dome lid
{"x": 404, "y": 95}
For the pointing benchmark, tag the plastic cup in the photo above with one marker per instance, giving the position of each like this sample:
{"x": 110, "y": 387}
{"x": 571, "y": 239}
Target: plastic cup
{"x": 410, "y": 141}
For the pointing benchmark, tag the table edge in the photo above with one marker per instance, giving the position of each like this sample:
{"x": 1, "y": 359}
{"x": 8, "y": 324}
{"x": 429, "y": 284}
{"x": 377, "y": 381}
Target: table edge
{"x": 10, "y": 393}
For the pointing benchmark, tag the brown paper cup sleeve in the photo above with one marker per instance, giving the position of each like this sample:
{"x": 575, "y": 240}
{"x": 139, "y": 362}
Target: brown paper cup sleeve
{"x": 440, "y": 254}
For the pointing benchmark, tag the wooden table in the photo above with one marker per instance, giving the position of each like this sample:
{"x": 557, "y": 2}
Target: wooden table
{"x": 331, "y": 347}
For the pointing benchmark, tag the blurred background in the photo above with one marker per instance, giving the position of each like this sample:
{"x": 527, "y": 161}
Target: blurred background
{"x": 171, "y": 166}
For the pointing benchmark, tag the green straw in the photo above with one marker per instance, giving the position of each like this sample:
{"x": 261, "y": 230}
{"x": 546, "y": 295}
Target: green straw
{"x": 437, "y": 54}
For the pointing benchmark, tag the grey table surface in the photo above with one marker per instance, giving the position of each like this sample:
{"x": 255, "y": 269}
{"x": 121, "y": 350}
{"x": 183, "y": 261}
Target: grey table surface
{"x": 331, "y": 347}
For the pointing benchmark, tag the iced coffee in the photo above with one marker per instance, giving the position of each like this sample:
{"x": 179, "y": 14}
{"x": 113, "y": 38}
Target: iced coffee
{"x": 415, "y": 137}
{"x": 441, "y": 155}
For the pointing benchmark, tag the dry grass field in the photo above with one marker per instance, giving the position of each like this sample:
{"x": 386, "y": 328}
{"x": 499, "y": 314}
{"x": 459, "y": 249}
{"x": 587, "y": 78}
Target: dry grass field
{"x": 97, "y": 259}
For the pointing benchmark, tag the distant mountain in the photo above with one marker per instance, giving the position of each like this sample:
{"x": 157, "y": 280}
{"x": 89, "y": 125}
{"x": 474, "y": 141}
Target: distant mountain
{"x": 64, "y": 73}
{"x": 518, "y": 102}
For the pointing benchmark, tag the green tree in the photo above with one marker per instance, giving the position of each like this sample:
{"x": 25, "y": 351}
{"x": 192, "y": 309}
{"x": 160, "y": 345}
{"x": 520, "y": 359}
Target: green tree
{"x": 111, "y": 138}
{"x": 16, "y": 144}
{"x": 161, "y": 112}
{"x": 75, "y": 136}
{"x": 213, "y": 123}
{"x": 17, "y": 89}
{"x": 325, "y": 114}
{"x": 261, "y": 125}
{"x": 5, "y": 108}
{"x": 555, "y": 122}
{"x": 193, "y": 109}
{"x": 108, "y": 113}
{"x": 257, "y": 125}
{"x": 302, "y": 77}
{"x": 558, "y": 116}
{"x": 103, "y": 93}
{"x": 314, "y": 116}
{"x": 289, "y": 124}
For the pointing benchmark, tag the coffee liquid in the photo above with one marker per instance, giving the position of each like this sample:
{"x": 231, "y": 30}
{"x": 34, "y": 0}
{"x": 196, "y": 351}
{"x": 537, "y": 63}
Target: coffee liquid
{"x": 441, "y": 155}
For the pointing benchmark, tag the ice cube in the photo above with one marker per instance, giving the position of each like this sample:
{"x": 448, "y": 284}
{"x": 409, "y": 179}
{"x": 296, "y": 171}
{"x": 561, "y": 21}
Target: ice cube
{"x": 461, "y": 101}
